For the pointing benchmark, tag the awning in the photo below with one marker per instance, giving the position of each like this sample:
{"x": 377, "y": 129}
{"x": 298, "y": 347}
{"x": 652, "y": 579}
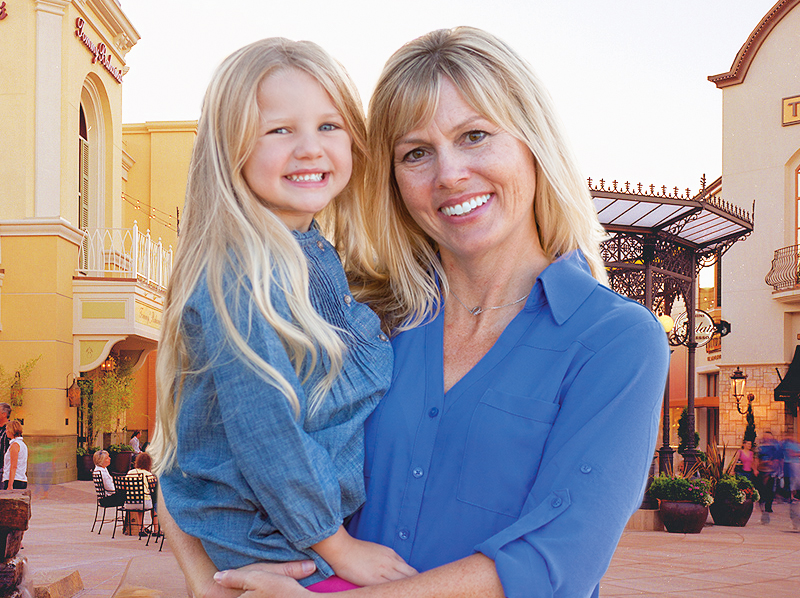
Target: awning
{"x": 789, "y": 388}
{"x": 698, "y": 402}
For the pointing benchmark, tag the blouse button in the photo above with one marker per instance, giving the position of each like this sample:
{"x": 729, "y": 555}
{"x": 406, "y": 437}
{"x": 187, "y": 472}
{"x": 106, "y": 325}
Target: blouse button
{"x": 348, "y": 299}
{"x": 433, "y": 412}
{"x": 403, "y": 534}
{"x": 321, "y": 245}
{"x": 556, "y": 502}
{"x": 417, "y": 472}
{"x": 383, "y": 337}
{"x": 586, "y": 468}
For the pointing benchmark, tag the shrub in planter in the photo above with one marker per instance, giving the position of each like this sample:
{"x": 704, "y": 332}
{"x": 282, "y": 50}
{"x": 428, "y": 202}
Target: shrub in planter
{"x": 683, "y": 502}
{"x": 734, "y": 496}
{"x": 121, "y": 455}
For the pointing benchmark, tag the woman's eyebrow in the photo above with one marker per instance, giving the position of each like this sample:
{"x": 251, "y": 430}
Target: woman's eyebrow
{"x": 458, "y": 126}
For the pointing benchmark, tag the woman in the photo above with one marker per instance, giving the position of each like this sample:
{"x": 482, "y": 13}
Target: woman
{"x": 142, "y": 466}
{"x": 113, "y": 497}
{"x": 15, "y": 464}
{"x": 513, "y": 363}
{"x": 744, "y": 461}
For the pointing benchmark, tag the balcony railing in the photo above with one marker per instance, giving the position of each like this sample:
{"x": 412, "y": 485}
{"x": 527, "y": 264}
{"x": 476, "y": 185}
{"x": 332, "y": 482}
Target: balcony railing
{"x": 125, "y": 253}
{"x": 784, "y": 274}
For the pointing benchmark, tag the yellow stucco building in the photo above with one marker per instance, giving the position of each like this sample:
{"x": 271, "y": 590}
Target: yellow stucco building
{"x": 88, "y": 219}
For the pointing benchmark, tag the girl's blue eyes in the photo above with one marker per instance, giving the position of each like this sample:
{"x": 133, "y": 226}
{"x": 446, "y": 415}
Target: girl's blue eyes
{"x": 326, "y": 128}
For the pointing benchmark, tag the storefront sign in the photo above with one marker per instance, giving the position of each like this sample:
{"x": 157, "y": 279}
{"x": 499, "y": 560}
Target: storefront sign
{"x": 148, "y": 316}
{"x": 791, "y": 111}
{"x": 704, "y": 328}
{"x": 99, "y": 51}
{"x": 3, "y": 11}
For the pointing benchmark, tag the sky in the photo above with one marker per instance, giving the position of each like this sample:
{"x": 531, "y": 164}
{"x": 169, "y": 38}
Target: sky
{"x": 628, "y": 77}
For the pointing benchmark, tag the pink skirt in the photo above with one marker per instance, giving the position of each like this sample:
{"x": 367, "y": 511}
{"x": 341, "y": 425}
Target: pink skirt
{"x": 332, "y": 584}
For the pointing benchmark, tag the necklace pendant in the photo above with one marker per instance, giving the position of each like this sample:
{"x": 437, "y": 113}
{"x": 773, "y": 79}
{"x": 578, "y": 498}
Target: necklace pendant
{"x": 476, "y": 310}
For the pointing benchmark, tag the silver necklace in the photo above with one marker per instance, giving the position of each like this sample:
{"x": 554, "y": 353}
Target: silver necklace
{"x": 477, "y": 310}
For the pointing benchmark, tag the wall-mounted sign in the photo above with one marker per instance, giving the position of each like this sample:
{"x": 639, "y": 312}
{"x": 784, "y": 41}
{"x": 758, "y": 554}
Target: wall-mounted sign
{"x": 704, "y": 328}
{"x": 791, "y": 111}
{"x": 3, "y": 11}
{"x": 99, "y": 51}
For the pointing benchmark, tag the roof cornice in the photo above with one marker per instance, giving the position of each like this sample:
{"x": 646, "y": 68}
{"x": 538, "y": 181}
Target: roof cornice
{"x": 748, "y": 51}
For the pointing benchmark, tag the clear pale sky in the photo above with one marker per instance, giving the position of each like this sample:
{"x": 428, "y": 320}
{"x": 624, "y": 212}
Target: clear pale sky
{"x": 629, "y": 77}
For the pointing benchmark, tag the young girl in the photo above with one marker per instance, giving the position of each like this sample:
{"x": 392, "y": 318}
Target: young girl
{"x": 267, "y": 367}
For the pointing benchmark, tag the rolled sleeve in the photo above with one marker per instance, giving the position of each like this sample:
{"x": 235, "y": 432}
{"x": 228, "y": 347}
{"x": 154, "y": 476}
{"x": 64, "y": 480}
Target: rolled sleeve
{"x": 594, "y": 469}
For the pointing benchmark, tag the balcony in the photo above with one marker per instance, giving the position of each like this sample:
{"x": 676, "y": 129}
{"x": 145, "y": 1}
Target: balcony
{"x": 118, "y": 294}
{"x": 125, "y": 253}
{"x": 784, "y": 276}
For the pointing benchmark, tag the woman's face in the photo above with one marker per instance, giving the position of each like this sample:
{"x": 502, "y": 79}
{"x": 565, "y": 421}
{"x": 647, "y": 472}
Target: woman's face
{"x": 466, "y": 182}
{"x": 747, "y": 445}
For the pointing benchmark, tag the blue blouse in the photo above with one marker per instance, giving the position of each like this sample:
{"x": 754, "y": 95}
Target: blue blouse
{"x": 252, "y": 482}
{"x": 538, "y": 456}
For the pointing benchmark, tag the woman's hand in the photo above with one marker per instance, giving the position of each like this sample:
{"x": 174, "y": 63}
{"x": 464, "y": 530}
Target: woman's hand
{"x": 362, "y": 563}
{"x": 263, "y": 580}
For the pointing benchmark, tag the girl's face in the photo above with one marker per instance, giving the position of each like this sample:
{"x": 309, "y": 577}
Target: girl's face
{"x": 302, "y": 158}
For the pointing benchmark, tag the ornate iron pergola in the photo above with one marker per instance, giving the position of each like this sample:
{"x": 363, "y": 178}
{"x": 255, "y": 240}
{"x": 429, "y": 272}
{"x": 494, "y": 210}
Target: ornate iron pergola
{"x": 658, "y": 241}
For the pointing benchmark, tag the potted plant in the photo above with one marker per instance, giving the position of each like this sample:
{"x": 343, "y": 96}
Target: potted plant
{"x": 85, "y": 458}
{"x": 734, "y": 496}
{"x": 121, "y": 455}
{"x": 683, "y": 501}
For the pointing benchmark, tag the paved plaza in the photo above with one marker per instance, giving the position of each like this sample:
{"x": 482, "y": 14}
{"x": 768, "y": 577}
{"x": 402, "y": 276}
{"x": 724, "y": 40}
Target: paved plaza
{"x": 757, "y": 560}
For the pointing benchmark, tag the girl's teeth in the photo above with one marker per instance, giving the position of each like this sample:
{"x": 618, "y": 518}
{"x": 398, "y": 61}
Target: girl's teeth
{"x": 466, "y": 207}
{"x": 299, "y": 178}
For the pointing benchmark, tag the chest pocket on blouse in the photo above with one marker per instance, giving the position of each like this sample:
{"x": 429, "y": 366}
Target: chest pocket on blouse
{"x": 504, "y": 448}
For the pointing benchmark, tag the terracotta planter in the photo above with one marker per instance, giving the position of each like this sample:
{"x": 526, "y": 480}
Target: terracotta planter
{"x": 727, "y": 512}
{"x": 683, "y": 517}
{"x": 121, "y": 462}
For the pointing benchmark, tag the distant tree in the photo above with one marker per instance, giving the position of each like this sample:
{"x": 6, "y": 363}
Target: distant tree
{"x": 750, "y": 430}
{"x": 683, "y": 432}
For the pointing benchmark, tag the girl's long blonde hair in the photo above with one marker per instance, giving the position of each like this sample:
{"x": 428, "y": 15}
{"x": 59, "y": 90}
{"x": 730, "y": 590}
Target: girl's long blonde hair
{"x": 500, "y": 85}
{"x": 225, "y": 228}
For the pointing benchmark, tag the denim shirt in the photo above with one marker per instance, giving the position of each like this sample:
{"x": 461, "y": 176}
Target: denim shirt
{"x": 538, "y": 456}
{"x": 252, "y": 482}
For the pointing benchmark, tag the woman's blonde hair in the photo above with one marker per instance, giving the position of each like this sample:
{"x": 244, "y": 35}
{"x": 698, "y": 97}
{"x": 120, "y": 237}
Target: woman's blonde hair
{"x": 225, "y": 228}
{"x": 15, "y": 427}
{"x": 497, "y": 83}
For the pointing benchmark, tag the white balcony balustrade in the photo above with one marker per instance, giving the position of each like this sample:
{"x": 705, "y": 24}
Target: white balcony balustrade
{"x": 125, "y": 253}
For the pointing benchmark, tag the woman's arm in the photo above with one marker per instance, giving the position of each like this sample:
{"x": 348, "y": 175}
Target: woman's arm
{"x": 471, "y": 577}
{"x": 13, "y": 454}
{"x": 198, "y": 568}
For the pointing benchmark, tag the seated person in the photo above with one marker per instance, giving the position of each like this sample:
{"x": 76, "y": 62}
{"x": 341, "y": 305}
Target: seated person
{"x": 113, "y": 497}
{"x": 141, "y": 468}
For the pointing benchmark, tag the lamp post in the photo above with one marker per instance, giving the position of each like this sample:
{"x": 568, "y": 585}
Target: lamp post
{"x": 738, "y": 382}
{"x": 666, "y": 452}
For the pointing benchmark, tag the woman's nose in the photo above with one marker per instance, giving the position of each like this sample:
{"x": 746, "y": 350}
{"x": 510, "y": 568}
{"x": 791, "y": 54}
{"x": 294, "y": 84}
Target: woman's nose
{"x": 451, "y": 169}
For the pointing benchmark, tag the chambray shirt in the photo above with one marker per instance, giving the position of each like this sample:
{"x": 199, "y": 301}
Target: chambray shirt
{"x": 252, "y": 482}
{"x": 538, "y": 456}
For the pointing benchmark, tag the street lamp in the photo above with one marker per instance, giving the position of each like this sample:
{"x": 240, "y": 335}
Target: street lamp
{"x": 738, "y": 382}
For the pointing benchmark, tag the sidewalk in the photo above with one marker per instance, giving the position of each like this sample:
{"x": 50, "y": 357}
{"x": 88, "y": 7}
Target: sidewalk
{"x": 756, "y": 560}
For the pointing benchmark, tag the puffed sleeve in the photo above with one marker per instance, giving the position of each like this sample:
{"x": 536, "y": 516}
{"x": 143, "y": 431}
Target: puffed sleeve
{"x": 291, "y": 475}
{"x": 593, "y": 471}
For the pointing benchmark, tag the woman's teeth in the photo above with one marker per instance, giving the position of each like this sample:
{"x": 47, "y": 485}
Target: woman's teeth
{"x": 300, "y": 178}
{"x": 466, "y": 207}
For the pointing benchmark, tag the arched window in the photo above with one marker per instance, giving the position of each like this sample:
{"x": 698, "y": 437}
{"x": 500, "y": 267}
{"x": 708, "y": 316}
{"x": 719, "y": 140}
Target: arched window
{"x": 83, "y": 184}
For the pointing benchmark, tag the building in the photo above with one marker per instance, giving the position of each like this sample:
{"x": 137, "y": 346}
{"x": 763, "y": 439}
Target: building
{"x": 88, "y": 212}
{"x": 760, "y": 278}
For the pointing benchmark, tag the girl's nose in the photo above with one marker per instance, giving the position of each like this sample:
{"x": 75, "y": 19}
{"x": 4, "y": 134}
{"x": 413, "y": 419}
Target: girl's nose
{"x": 308, "y": 146}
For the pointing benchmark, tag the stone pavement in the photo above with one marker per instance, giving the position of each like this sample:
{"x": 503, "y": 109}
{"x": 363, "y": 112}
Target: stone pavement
{"x": 757, "y": 560}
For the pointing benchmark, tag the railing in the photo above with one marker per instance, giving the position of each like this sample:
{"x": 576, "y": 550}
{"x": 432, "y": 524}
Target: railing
{"x": 784, "y": 274}
{"x": 125, "y": 253}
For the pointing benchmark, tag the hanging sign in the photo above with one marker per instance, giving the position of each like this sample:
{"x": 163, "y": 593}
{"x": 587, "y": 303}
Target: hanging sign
{"x": 99, "y": 51}
{"x": 704, "y": 328}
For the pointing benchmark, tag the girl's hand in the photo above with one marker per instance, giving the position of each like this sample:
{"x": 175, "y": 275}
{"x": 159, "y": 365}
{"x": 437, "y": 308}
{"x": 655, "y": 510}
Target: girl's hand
{"x": 362, "y": 563}
{"x": 263, "y": 580}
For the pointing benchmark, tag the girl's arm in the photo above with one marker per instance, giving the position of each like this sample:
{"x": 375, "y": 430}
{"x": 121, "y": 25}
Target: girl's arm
{"x": 13, "y": 453}
{"x": 198, "y": 568}
{"x": 472, "y": 577}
